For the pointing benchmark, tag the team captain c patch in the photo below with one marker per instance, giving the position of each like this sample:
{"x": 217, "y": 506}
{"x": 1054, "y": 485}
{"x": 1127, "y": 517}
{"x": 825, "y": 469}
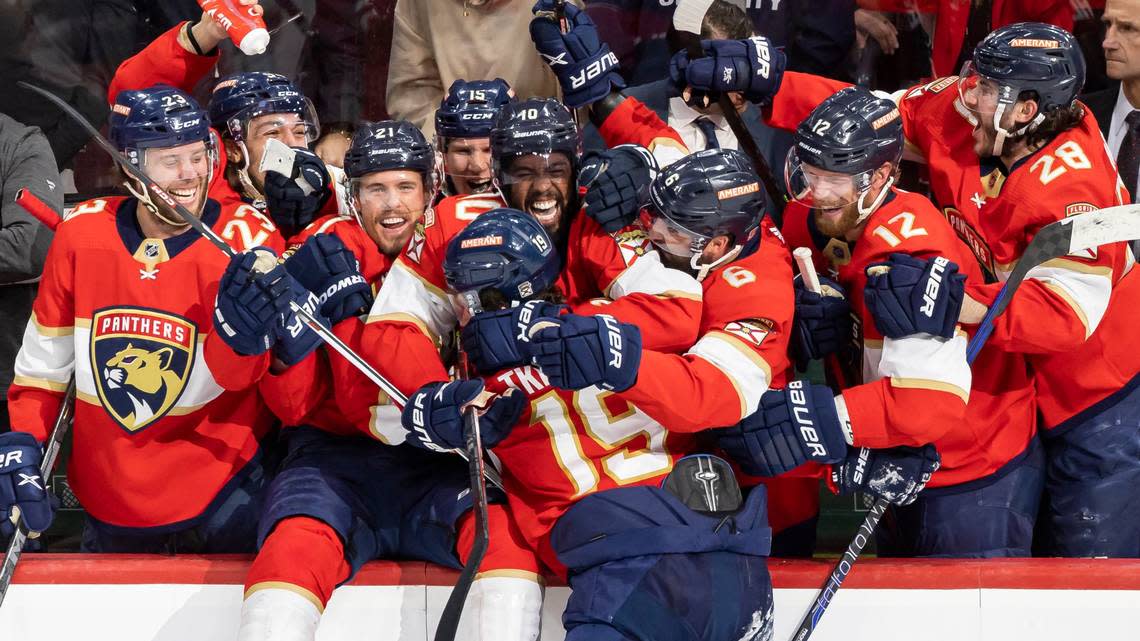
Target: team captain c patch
{"x": 141, "y": 359}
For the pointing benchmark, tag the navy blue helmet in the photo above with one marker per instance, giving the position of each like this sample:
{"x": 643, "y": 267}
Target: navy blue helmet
{"x": 239, "y": 97}
{"x": 387, "y": 145}
{"x": 851, "y": 132}
{"x": 1032, "y": 56}
{"x": 537, "y": 126}
{"x": 707, "y": 194}
{"x": 161, "y": 116}
{"x": 470, "y": 107}
{"x": 505, "y": 250}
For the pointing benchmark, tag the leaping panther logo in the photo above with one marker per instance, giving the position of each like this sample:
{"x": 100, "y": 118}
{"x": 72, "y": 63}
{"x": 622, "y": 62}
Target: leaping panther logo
{"x": 141, "y": 360}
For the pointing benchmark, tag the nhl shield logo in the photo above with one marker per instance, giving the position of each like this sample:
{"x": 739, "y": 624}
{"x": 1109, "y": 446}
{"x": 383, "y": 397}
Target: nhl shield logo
{"x": 141, "y": 359}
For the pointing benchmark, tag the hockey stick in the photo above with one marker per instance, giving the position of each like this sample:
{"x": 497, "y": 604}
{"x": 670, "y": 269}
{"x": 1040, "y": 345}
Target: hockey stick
{"x": 453, "y": 609}
{"x": 1070, "y": 235}
{"x": 172, "y": 206}
{"x": 687, "y": 19}
{"x": 38, "y": 208}
{"x": 47, "y": 465}
{"x": 811, "y": 282}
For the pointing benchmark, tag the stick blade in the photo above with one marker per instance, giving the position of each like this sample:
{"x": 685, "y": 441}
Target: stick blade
{"x": 1104, "y": 226}
{"x": 690, "y": 14}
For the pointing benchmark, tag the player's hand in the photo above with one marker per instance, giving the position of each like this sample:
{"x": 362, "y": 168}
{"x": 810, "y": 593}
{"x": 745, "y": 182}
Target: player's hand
{"x": 332, "y": 147}
{"x": 434, "y": 414}
{"x": 897, "y": 474}
{"x": 210, "y": 33}
{"x": 494, "y": 341}
{"x": 908, "y": 295}
{"x": 291, "y": 204}
{"x": 822, "y": 322}
{"x": 324, "y": 266}
{"x": 22, "y": 489}
{"x": 752, "y": 66}
{"x": 575, "y": 352}
{"x": 876, "y": 24}
{"x": 617, "y": 184}
{"x": 250, "y": 301}
{"x": 584, "y": 65}
{"x": 792, "y": 426}
{"x": 293, "y": 340}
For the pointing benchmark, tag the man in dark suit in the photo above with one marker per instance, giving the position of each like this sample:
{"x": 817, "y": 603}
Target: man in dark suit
{"x": 1117, "y": 109}
{"x": 707, "y": 128}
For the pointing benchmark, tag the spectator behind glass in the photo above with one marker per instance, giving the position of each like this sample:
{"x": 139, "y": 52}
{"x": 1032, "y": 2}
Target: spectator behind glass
{"x": 1117, "y": 109}
{"x": 26, "y": 162}
{"x": 436, "y": 42}
{"x": 816, "y": 34}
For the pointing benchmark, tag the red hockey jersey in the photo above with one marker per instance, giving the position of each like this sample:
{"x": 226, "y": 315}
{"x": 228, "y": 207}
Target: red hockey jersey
{"x": 899, "y": 380}
{"x": 156, "y": 436}
{"x": 1071, "y": 315}
{"x": 746, "y": 318}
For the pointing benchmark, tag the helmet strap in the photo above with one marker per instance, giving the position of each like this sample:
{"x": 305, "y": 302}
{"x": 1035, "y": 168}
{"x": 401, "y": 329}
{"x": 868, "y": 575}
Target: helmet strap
{"x": 703, "y": 270}
{"x": 247, "y": 187}
{"x": 1001, "y": 134}
{"x": 864, "y": 210}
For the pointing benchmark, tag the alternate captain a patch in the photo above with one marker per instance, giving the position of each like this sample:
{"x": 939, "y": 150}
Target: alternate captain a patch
{"x": 141, "y": 359}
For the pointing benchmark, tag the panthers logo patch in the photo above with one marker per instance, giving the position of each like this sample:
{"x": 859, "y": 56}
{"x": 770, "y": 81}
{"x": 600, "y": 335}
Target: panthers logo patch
{"x": 141, "y": 359}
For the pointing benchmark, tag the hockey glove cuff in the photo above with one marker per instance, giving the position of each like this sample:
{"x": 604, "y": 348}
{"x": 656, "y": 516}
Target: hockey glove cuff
{"x": 908, "y": 295}
{"x": 896, "y": 475}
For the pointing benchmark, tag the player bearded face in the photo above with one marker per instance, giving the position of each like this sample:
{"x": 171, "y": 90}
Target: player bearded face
{"x": 979, "y": 96}
{"x": 468, "y": 163}
{"x": 390, "y": 204}
{"x": 834, "y": 201}
{"x": 289, "y": 128}
{"x": 183, "y": 172}
{"x": 540, "y": 185}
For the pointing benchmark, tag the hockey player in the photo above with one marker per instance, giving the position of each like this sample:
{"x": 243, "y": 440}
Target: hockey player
{"x": 1011, "y": 150}
{"x": 125, "y": 307}
{"x": 342, "y": 498}
{"x": 463, "y": 133}
{"x": 248, "y": 109}
{"x": 598, "y": 486}
{"x": 841, "y": 172}
{"x": 535, "y": 149}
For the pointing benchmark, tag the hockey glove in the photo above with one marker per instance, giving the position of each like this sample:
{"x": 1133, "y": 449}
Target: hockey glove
{"x": 249, "y": 303}
{"x": 822, "y": 322}
{"x": 576, "y": 352}
{"x": 584, "y": 65}
{"x": 22, "y": 490}
{"x": 434, "y": 414}
{"x": 494, "y": 341}
{"x": 324, "y": 266}
{"x": 293, "y": 340}
{"x": 792, "y": 426}
{"x": 293, "y": 201}
{"x": 896, "y": 475}
{"x": 617, "y": 184}
{"x": 753, "y": 67}
{"x": 914, "y": 296}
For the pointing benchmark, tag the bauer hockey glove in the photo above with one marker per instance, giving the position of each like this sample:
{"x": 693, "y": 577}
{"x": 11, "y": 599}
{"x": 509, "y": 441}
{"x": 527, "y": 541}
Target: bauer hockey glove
{"x": 895, "y": 475}
{"x": 823, "y": 322}
{"x": 575, "y": 352}
{"x": 293, "y": 340}
{"x": 797, "y": 424}
{"x": 908, "y": 295}
{"x": 753, "y": 67}
{"x": 584, "y": 65}
{"x": 249, "y": 303}
{"x": 434, "y": 414}
{"x": 494, "y": 341}
{"x": 21, "y": 486}
{"x": 324, "y": 266}
{"x": 291, "y": 204}
{"x": 617, "y": 184}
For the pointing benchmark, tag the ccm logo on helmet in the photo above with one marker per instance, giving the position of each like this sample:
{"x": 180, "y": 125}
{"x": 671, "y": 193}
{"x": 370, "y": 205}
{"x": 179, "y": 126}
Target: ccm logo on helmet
{"x": 594, "y": 69}
{"x": 802, "y": 415}
{"x": 933, "y": 285}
